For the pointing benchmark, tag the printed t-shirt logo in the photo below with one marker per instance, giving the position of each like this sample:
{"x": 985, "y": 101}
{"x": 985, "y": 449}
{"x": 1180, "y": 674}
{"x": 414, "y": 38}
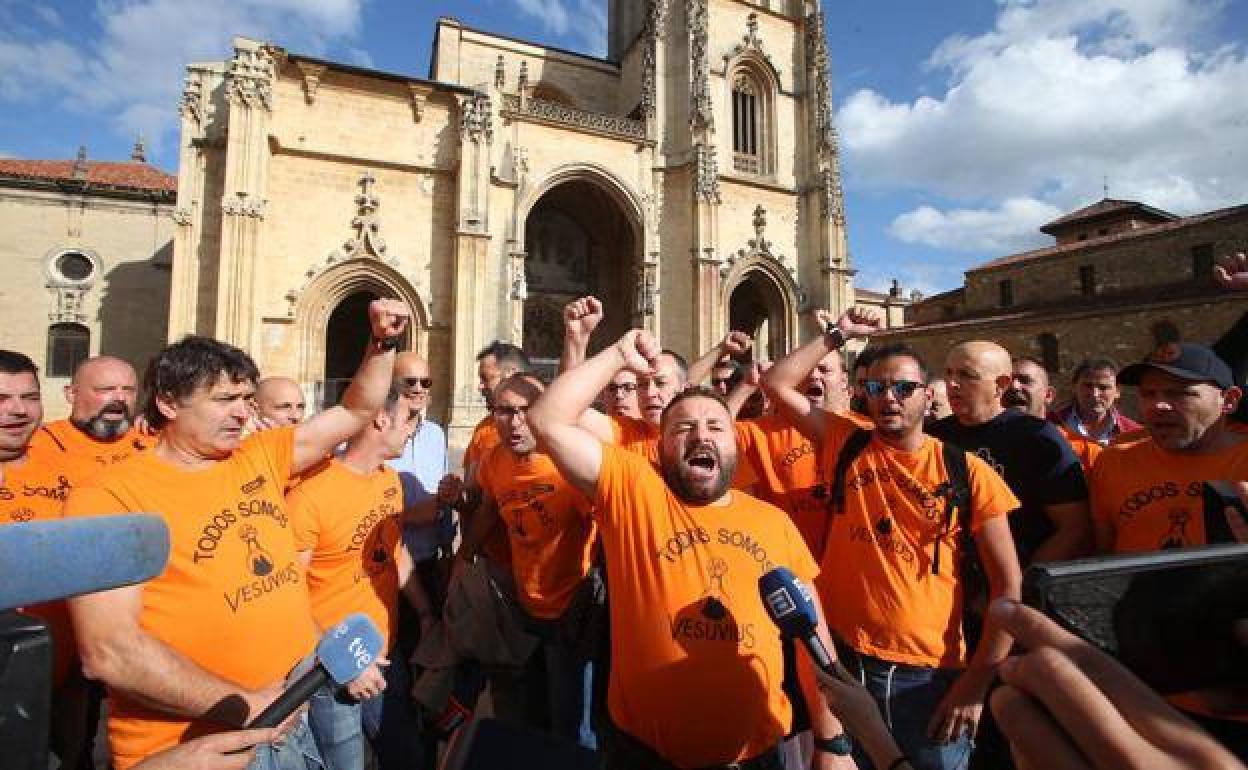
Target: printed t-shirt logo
{"x": 253, "y": 486}
{"x": 713, "y": 604}
{"x": 1176, "y": 536}
{"x": 710, "y": 618}
{"x": 259, "y": 561}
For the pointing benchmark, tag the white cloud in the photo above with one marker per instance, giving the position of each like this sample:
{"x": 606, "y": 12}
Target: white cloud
{"x": 1006, "y": 228}
{"x": 584, "y": 20}
{"x": 133, "y": 69}
{"x": 1060, "y": 95}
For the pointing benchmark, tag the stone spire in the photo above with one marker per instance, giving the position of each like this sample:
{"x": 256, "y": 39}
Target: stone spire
{"x": 80, "y": 163}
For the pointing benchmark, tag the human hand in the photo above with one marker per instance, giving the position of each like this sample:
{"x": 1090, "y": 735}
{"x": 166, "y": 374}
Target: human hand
{"x": 388, "y": 318}
{"x": 258, "y": 700}
{"x": 753, "y": 376}
{"x": 220, "y": 751}
{"x": 1066, "y": 704}
{"x": 582, "y": 316}
{"x": 449, "y": 489}
{"x": 859, "y": 322}
{"x": 736, "y": 344}
{"x": 1232, "y": 271}
{"x": 370, "y": 683}
{"x": 640, "y": 351}
{"x": 853, "y": 705}
{"x": 959, "y": 711}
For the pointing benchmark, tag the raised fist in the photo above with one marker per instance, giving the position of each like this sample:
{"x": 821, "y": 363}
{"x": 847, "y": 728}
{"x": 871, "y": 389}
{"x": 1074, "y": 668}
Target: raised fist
{"x": 736, "y": 343}
{"x": 388, "y": 318}
{"x": 449, "y": 489}
{"x": 1232, "y": 271}
{"x": 860, "y": 322}
{"x": 582, "y": 316}
{"x": 640, "y": 351}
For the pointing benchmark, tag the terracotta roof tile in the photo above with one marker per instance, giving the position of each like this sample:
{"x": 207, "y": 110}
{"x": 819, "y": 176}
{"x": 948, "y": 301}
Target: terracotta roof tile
{"x": 1103, "y": 208}
{"x": 1148, "y": 232}
{"x": 130, "y": 175}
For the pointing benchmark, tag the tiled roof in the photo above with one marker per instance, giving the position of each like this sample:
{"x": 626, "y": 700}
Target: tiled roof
{"x": 1104, "y": 208}
{"x": 878, "y": 296}
{"x": 128, "y": 175}
{"x": 1113, "y": 238}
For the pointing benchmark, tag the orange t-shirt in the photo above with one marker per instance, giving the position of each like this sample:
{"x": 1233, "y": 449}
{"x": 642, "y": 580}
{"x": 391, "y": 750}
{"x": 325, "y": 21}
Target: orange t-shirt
{"x": 350, "y": 522}
{"x": 547, "y": 520}
{"x": 86, "y": 456}
{"x": 35, "y": 490}
{"x": 696, "y": 661}
{"x": 876, "y": 581}
{"x": 1086, "y": 449}
{"x": 232, "y": 598}
{"x": 785, "y": 467}
{"x": 1154, "y": 499}
{"x": 637, "y": 436}
{"x": 484, "y": 438}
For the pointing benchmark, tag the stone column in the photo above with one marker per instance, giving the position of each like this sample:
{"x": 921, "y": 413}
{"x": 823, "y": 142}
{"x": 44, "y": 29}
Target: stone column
{"x": 706, "y": 196}
{"x": 188, "y": 213}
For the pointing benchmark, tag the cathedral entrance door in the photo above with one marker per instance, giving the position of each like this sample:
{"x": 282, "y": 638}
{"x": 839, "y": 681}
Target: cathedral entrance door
{"x": 756, "y": 307}
{"x": 346, "y": 336}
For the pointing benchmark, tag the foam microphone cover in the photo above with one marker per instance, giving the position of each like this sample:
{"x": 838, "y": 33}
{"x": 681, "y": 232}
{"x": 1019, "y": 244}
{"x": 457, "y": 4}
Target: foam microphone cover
{"x": 46, "y": 560}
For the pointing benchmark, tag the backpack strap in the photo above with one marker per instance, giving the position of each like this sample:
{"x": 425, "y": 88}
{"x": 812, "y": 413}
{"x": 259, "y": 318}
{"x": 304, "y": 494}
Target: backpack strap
{"x": 957, "y": 494}
{"x": 850, "y": 450}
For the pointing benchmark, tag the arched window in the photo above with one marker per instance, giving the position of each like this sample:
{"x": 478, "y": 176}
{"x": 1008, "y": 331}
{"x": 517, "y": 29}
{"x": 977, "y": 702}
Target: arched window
{"x": 746, "y": 125}
{"x": 69, "y": 344}
{"x": 1050, "y": 353}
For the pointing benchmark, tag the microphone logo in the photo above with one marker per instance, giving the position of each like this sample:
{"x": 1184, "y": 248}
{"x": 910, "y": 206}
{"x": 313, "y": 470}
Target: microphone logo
{"x": 780, "y": 602}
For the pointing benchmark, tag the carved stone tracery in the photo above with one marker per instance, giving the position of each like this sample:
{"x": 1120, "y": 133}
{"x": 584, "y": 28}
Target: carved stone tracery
{"x": 311, "y": 79}
{"x": 191, "y": 104}
{"x": 240, "y": 204}
{"x": 706, "y": 173}
{"x": 701, "y": 116}
{"x": 476, "y": 120}
{"x": 250, "y": 77}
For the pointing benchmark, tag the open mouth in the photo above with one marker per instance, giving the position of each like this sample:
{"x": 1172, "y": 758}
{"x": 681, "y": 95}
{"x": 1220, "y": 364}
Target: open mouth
{"x": 814, "y": 390}
{"x": 703, "y": 462}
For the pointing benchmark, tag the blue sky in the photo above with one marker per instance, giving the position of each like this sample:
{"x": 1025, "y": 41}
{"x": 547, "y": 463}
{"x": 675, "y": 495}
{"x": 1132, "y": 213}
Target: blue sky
{"x": 965, "y": 123}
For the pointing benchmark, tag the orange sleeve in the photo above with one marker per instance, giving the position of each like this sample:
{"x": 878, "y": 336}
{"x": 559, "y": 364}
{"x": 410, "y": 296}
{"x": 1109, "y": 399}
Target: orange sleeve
{"x": 626, "y": 483}
{"x": 305, "y": 518}
{"x": 990, "y": 495}
{"x": 837, "y": 429}
{"x": 93, "y": 501}
{"x": 485, "y": 474}
{"x": 277, "y": 446}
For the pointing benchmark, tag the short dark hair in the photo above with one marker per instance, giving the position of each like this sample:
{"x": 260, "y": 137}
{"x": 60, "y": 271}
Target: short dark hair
{"x": 189, "y": 364}
{"x": 864, "y": 359}
{"x": 694, "y": 391}
{"x": 901, "y": 350}
{"x": 506, "y": 354}
{"x": 1094, "y": 364}
{"x": 681, "y": 364}
{"x": 1016, "y": 360}
{"x": 12, "y": 362}
{"x": 521, "y": 381}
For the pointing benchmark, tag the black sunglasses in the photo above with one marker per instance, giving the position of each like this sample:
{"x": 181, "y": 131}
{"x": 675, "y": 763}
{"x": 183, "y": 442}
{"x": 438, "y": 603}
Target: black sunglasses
{"x": 424, "y": 382}
{"x": 902, "y": 389}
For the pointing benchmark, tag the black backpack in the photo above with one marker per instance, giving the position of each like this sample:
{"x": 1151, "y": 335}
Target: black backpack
{"x": 956, "y": 492}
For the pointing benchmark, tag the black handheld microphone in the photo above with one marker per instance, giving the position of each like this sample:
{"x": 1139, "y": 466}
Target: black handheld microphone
{"x": 341, "y": 655}
{"x": 792, "y": 609}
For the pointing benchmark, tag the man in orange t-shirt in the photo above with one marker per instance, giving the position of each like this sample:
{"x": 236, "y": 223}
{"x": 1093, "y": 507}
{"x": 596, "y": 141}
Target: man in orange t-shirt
{"x": 33, "y": 487}
{"x": 890, "y": 574}
{"x": 348, "y": 519}
{"x": 552, "y": 539}
{"x": 696, "y": 661}
{"x": 208, "y": 644}
{"x": 100, "y": 430}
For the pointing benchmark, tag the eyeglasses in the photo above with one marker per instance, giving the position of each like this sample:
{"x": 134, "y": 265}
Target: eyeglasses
{"x": 623, "y": 387}
{"x": 424, "y": 382}
{"x": 508, "y": 412}
{"x": 902, "y": 389}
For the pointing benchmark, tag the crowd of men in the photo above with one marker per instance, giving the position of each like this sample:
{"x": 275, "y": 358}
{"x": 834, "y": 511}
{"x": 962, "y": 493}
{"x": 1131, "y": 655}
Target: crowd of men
{"x": 621, "y": 516}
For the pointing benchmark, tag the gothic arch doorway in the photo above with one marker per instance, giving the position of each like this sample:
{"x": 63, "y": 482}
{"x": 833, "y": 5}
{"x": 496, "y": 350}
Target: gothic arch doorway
{"x": 757, "y": 307}
{"x": 346, "y": 335}
{"x": 578, "y": 241}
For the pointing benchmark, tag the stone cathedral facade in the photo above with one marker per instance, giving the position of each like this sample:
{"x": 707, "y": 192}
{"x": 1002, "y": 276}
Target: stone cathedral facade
{"x": 690, "y": 179}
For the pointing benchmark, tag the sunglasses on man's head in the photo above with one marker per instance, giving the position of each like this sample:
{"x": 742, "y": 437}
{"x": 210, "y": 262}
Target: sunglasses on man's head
{"x": 424, "y": 382}
{"x": 902, "y": 389}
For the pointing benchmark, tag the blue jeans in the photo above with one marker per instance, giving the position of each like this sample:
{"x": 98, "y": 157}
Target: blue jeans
{"x": 390, "y": 723}
{"x": 907, "y": 697}
{"x": 298, "y": 751}
{"x": 554, "y": 691}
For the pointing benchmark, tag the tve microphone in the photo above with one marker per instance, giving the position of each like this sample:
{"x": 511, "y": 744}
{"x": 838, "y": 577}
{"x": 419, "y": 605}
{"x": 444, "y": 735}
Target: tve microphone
{"x": 342, "y": 654}
{"x": 792, "y": 609}
{"x": 46, "y": 560}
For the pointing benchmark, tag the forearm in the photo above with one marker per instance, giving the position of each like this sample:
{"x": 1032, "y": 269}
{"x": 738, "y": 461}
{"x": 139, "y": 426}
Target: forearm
{"x": 701, "y": 369}
{"x": 823, "y": 723}
{"x": 570, "y": 394}
{"x": 148, "y": 671}
{"x": 995, "y": 643}
{"x": 367, "y": 393}
{"x": 479, "y": 526}
{"x": 737, "y": 398}
{"x": 422, "y": 513}
{"x": 575, "y": 346}
{"x": 410, "y": 585}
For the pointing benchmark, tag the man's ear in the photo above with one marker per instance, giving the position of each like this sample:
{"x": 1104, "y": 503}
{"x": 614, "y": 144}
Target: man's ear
{"x": 70, "y": 391}
{"x": 167, "y": 405}
{"x": 1004, "y": 381}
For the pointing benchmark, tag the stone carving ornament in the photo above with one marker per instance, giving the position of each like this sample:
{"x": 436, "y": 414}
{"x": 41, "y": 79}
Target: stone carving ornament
{"x": 656, "y": 12}
{"x": 476, "y": 121}
{"x": 250, "y": 77}
{"x": 701, "y": 117}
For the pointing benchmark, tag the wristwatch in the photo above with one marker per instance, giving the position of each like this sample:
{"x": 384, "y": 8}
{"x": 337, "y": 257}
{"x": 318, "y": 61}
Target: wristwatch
{"x": 837, "y": 744}
{"x": 386, "y": 344}
{"x": 835, "y": 332}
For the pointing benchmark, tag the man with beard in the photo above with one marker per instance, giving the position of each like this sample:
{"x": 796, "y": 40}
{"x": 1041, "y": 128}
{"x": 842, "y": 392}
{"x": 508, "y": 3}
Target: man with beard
{"x": 279, "y": 401}
{"x": 697, "y": 663}
{"x": 33, "y": 487}
{"x": 1093, "y": 412}
{"x": 209, "y": 642}
{"x": 1053, "y": 523}
{"x": 891, "y": 573}
{"x": 1031, "y": 393}
{"x": 100, "y": 430}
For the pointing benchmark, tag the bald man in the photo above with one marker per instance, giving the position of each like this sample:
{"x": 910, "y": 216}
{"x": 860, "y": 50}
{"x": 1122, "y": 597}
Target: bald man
{"x": 100, "y": 428}
{"x": 1053, "y": 522}
{"x": 280, "y": 401}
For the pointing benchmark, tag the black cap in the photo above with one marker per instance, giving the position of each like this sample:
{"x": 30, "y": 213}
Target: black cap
{"x": 1195, "y": 363}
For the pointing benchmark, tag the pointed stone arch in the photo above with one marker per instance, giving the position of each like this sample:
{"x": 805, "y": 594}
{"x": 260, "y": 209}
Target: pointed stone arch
{"x": 772, "y": 287}
{"x": 318, "y": 300}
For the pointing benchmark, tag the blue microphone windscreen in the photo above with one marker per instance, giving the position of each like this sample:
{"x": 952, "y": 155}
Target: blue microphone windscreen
{"x": 46, "y": 560}
{"x": 788, "y": 602}
{"x": 350, "y": 647}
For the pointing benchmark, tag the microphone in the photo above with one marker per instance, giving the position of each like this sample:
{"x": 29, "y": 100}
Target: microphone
{"x": 791, "y": 607}
{"x": 69, "y": 557}
{"x": 342, "y": 654}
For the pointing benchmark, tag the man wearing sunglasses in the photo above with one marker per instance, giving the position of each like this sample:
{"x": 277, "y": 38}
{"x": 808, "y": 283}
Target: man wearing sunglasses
{"x": 890, "y": 572}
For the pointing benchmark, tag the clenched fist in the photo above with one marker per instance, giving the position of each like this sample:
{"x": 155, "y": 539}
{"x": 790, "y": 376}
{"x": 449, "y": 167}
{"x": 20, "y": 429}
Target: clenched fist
{"x": 388, "y": 318}
{"x": 582, "y": 316}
